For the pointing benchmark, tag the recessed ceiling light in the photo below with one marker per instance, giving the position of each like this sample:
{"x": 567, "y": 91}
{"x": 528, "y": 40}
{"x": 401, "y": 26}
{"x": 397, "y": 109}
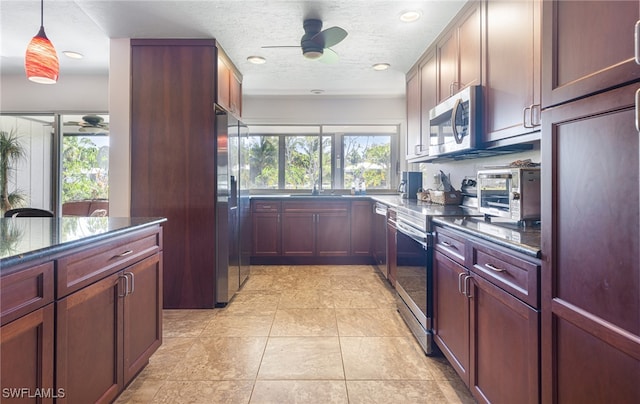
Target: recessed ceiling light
{"x": 381, "y": 66}
{"x": 410, "y": 16}
{"x": 317, "y": 91}
{"x": 73, "y": 55}
{"x": 257, "y": 60}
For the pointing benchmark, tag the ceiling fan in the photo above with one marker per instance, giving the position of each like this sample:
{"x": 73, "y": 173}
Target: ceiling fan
{"x": 90, "y": 123}
{"x": 316, "y": 43}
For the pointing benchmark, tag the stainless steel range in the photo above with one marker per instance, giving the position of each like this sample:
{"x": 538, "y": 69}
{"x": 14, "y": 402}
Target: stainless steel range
{"x": 413, "y": 265}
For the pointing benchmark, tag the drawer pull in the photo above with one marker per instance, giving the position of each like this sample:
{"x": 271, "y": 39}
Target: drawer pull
{"x": 448, "y": 244}
{"x": 265, "y": 207}
{"x": 494, "y": 268}
{"x": 124, "y": 254}
{"x": 126, "y": 285}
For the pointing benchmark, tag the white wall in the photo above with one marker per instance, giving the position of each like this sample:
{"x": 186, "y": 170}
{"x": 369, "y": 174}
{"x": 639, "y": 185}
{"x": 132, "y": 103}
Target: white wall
{"x": 69, "y": 94}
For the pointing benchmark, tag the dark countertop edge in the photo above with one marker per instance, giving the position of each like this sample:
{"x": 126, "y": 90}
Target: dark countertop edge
{"x": 531, "y": 251}
{"x": 61, "y": 248}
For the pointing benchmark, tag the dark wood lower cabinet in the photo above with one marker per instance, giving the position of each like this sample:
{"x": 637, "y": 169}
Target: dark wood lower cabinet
{"x": 299, "y": 234}
{"x": 362, "y": 228}
{"x": 26, "y": 357}
{"x": 107, "y": 331}
{"x": 490, "y": 336}
{"x": 89, "y": 342}
{"x": 451, "y": 314}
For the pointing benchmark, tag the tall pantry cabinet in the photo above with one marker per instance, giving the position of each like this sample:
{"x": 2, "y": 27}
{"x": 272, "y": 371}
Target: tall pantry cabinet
{"x": 591, "y": 203}
{"x": 173, "y": 167}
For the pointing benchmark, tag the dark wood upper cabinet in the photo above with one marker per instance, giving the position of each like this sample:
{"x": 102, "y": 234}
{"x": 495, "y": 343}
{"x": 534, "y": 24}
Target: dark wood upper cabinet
{"x": 512, "y": 69}
{"x": 414, "y": 134}
{"x": 588, "y": 47}
{"x": 459, "y": 53}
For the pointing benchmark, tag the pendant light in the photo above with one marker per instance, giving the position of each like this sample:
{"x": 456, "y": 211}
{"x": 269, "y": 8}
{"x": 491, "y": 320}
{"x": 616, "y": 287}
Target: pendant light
{"x": 41, "y": 60}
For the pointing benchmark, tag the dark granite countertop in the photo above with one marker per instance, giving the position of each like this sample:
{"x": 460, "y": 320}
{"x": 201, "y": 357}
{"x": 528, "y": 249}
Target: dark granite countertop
{"x": 522, "y": 239}
{"x": 24, "y": 239}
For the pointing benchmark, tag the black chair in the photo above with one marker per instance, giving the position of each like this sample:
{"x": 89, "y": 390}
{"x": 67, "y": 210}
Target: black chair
{"x": 28, "y": 212}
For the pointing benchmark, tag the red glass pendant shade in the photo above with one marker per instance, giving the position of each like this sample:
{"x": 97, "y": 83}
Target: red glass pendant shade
{"x": 41, "y": 60}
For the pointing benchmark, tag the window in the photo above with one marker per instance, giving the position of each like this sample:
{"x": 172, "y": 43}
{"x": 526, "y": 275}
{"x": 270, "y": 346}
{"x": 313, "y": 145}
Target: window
{"x": 330, "y": 157}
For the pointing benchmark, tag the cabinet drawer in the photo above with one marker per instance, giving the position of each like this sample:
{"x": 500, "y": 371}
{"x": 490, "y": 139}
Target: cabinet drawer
{"x": 315, "y": 207}
{"x": 88, "y": 265}
{"x": 507, "y": 271}
{"x": 265, "y": 206}
{"x": 25, "y": 291}
{"x": 450, "y": 244}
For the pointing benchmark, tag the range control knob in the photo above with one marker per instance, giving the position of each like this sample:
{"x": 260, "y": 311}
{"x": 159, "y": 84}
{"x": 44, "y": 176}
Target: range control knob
{"x": 515, "y": 195}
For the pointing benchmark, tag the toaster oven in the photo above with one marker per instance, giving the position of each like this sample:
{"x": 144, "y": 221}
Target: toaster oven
{"x": 512, "y": 193}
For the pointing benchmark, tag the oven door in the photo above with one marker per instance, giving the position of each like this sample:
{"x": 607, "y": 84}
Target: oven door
{"x": 413, "y": 282}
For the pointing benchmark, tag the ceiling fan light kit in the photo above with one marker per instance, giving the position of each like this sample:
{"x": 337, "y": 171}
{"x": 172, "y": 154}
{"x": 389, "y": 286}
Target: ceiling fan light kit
{"x": 41, "y": 61}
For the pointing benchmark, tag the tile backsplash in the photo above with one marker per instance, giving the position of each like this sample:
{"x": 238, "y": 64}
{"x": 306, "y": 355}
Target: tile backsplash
{"x": 458, "y": 170}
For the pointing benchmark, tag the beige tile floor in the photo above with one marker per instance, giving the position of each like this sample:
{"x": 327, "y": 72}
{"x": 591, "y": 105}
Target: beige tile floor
{"x": 296, "y": 334}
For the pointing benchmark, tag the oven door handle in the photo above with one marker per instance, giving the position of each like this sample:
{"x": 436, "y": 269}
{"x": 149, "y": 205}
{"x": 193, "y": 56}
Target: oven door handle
{"x": 418, "y": 236}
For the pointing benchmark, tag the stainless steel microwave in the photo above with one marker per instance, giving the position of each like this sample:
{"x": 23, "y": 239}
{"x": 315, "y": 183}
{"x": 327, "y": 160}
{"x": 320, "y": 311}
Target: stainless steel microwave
{"x": 455, "y": 123}
{"x": 512, "y": 193}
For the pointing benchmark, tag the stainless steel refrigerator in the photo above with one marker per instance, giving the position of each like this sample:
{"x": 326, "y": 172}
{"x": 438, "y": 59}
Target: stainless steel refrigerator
{"x": 233, "y": 226}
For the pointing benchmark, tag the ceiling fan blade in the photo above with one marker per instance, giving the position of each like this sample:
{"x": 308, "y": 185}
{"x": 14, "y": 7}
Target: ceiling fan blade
{"x": 330, "y": 37}
{"x": 329, "y": 56}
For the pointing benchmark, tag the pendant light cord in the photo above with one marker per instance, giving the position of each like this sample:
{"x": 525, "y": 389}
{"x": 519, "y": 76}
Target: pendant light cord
{"x": 42, "y": 13}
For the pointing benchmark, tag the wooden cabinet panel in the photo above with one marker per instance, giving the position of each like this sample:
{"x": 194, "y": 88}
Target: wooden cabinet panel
{"x": 588, "y": 47}
{"x": 451, "y": 244}
{"x": 25, "y": 291}
{"x": 591, "y": 285}
{"x": 224, "y": 84}
{"x": 298, "y": 235}
{"x": 266, "y": 234}
{"x": 451, "y": 314}
{"x": 428, "y": 97}
{"x": 333, "y": 234}
{"x": 361, "y": 228}
{"x": 459, "y": 53}
{"x": 89, "y": 342}
{"x": 504, "y": 346}
{"x": 235, "y": 95}
{"x": 512, "y": 74}
{"x": 86, "y": 265}
{"x": 414, "y": 138}
{"x": 173, "y": 141}
{"x": 26, "y": 349}
{"x": 142, "y": 315}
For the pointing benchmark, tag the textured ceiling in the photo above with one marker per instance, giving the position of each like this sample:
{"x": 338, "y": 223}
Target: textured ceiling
{"x": 376, "y": 35}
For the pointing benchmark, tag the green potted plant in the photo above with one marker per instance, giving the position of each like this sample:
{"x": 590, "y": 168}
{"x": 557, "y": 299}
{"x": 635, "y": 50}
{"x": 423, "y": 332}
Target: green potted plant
{"x": 11, "y": 151}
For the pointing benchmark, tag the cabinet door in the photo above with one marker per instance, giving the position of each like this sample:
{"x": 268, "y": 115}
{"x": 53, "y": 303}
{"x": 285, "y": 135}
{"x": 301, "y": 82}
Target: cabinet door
{"x": 504, "y": 346}
{"x": 266, "y": 234}
{"x": 361, "y": 228}
{"x": 235, "y": 95}
{"x": 414, "y": 140}
{"x": 142, "y": 314}
{"x": 224, "y": 84}
{"x": 26, "y": 349}
{"x": 451, "y": 314}
{"x": 89, "y": 342}
{"x": 429, "y": 96}
{"x": 298, "y": 235}
{"x": 469, "y": 48}
{"x": 588, "y": 47}
{"x": 333, "y": 233}
{"x": 591, "y": 276}
{"x": 512, "y": 77}
{"x": 448, "y": 65}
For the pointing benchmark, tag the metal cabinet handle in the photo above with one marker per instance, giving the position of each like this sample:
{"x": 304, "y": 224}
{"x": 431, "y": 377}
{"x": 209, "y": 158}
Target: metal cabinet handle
{"x": 448, "y": 244}
{"x": 524, "y": 117}
{"x": 133, "y": 282}
{"x": 495, "y": 268}
{"x": 460, "y": 275}
{"x": 126, "y": 285}
{"x": 636, "y": 42}
{"x": 467, "y": 290}
{"x": 124, "y": 254}
{"x": 278, "y": 216}
{"x": 638, "y": 110}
